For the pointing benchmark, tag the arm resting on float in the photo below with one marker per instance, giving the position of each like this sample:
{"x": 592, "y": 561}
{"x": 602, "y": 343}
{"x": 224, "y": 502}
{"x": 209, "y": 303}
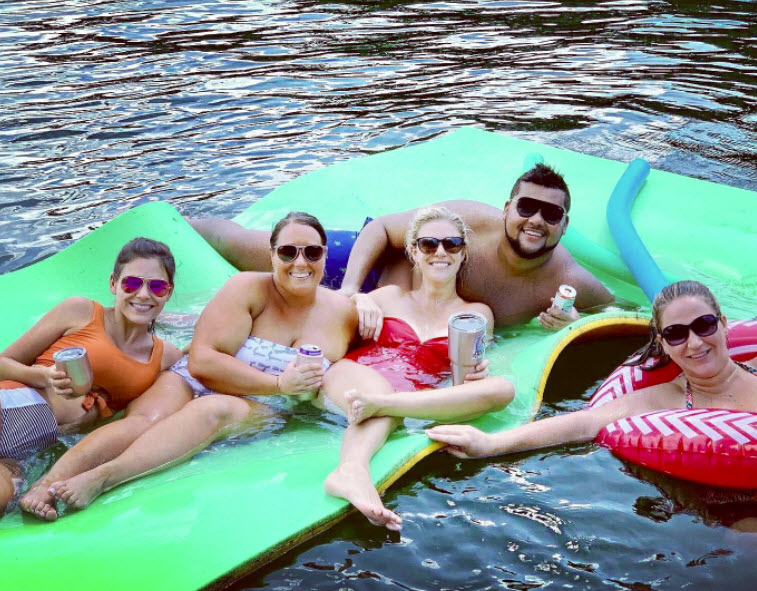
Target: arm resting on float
{"x": 247, "y": 250}
{"x": 384, "y": 232}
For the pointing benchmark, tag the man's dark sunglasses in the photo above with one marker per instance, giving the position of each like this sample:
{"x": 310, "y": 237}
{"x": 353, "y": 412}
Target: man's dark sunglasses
{"x": 550, "y": 213}
{"x": 311, "y": 252}
{"x": 452, "y": 244}
{"x": 704, "y": 326}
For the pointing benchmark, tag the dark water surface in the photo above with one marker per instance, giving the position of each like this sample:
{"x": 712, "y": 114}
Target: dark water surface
{"x": 210, "y": 105}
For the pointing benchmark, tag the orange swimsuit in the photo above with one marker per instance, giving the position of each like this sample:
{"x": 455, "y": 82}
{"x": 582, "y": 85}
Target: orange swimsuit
{"x": 119, "y": 379}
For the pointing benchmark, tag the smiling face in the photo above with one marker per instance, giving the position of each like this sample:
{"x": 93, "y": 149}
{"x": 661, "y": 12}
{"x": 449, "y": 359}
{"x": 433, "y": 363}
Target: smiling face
{"x": 532, "y": 237}
{"x": 299, "y": 275}
{"x": 439, "y": 264}
{"x": 698, "y": 356}
{"x": 142, "y": 306}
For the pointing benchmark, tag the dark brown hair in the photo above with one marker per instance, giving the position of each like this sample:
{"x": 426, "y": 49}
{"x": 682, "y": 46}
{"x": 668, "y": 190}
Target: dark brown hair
{"x": 544, "y": 176}
{"x": 297, "y": 217}
{"x": 145, "y": 248}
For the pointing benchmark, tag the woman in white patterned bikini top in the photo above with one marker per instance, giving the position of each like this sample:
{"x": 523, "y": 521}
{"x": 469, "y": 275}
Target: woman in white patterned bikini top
{"x": 242, "y": 347}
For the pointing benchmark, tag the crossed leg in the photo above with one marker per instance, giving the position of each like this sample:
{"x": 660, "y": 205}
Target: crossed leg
{"x": 166, "y": 396}
{"x": 173, "y": 440}
{"x": 351, "y": 480}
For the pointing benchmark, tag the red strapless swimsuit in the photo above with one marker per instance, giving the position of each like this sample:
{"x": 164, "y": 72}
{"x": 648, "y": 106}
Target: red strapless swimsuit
{"x": 406, "y": 362}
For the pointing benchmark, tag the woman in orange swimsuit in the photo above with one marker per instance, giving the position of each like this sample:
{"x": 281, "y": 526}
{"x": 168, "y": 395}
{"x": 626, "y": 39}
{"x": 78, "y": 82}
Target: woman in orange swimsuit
{"x": 403, "y": 356}
{"x": 37, "y": 400}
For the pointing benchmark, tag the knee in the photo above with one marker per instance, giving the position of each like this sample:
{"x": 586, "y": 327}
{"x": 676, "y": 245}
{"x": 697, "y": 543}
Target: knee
{"x": 501, "y": 394}
{"x": 219, "y": 411}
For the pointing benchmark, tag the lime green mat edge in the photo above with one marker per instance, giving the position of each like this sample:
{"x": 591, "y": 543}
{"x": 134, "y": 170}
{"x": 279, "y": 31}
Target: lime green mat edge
{"x": 229, "y": 510}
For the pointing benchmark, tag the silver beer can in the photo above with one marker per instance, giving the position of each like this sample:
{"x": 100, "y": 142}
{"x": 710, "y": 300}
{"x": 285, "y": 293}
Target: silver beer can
{"x": 565, "y": 298}
{"x": 467, "y": 343}
{"x": 309, "y": 354}
{"x": 75, "y": 362}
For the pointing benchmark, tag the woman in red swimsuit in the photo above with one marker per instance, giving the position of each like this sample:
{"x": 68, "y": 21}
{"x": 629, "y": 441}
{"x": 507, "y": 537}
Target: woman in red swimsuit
{"x": 404, "y": 356}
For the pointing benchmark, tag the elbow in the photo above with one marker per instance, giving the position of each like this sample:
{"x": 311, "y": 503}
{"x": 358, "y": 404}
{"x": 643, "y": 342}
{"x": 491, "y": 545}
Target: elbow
{"x": 501, "y": 394}
{"x": 200, "y": 364}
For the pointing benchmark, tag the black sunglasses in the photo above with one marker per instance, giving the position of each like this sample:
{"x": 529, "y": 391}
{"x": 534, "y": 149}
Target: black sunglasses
{"x": 550, "y": 213}
{"x": 452, "y": 244}
{"x": 311, "y": 252}
{"x": 704, "y": 326}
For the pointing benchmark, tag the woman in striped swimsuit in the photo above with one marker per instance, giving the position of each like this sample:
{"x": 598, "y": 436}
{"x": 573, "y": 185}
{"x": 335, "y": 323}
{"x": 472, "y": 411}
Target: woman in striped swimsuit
{"x": 37, "y": 400}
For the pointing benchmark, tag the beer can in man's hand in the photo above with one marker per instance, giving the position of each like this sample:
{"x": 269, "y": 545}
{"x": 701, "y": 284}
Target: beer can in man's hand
{"x": 564, "y": 299}
{"x": 467, "y": 343}
{"x": 75, "y": 362}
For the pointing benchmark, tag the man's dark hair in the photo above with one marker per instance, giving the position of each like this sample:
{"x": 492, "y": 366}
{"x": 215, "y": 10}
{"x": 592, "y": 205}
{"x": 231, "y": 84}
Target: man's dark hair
{"x": 544, "y": 176}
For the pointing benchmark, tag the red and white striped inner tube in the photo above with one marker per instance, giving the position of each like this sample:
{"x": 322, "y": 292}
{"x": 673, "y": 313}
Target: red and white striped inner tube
{"x": 712, "y": 446}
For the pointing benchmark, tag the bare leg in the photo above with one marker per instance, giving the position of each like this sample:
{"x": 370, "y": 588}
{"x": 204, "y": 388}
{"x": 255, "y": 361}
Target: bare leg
{"x": 452, "y": 404}
{"x": 170, "y": 441}
{"x": 8, "y": 471}
{"x": 247, "y": 250}
{"x": 166, "y": 396}
{"x": 351, "y": 480}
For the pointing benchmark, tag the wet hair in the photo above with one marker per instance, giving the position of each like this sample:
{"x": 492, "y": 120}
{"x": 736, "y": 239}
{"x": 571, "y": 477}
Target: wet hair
{"x": 544, "y": 176}
{"x": 432, "y": 214}
{"x": 653, "y": 349}
{"x": 145, "y": 248}
{"x": 298, "y": 217}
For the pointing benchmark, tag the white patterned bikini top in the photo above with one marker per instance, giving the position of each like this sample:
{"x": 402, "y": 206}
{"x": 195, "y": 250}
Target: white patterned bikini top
{"x": 260, "y": 354}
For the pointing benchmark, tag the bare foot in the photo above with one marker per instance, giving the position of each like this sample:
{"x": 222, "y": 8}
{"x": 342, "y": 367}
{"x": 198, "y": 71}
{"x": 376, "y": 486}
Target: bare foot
{"x": 360, "y": 406}
{"x": 353, "y": 483}
{"x": 80, "y": 490}
{"x": 39, "y": 502}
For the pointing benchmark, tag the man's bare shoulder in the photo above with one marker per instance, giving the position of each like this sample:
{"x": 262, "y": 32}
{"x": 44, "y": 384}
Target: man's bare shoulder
{"x": 473, "y": 210}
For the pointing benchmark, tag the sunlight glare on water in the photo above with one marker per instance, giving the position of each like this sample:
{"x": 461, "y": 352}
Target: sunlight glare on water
{"x": 210, "y": 105}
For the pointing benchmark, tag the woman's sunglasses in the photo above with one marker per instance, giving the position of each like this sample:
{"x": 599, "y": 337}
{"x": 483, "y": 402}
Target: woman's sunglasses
{"x": 452, "y": 244}
{"x": 159, "y": 287}
{"x": 311, "y": 252}
{"x": 704, "y": 326}
{"x": 550, "y": 213}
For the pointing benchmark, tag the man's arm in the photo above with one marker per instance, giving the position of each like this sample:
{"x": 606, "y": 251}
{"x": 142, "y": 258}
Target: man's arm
{"x": 385, "y": 232}
{"x": 247, "y": 250}
{"x": 590, "y": 291}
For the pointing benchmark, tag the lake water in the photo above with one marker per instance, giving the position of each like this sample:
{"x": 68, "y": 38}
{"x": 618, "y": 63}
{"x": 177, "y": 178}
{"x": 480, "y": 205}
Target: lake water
{"x": 210, "y": 105}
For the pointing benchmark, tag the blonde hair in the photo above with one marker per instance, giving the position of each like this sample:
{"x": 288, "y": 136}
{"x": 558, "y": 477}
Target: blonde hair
{"x": 431, "y": 214}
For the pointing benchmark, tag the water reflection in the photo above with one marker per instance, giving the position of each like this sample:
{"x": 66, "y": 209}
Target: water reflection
{"x": 211, "y": 105}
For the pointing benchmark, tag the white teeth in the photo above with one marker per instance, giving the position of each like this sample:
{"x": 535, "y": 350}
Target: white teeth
{"x": 440, "y": 264}
{"x": 300, "y": 275}
{"x": 698, "y": 355}
{"x": 141, "y": 307}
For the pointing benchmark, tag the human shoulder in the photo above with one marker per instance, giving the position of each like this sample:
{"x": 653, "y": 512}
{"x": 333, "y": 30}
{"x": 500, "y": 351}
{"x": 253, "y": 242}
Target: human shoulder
{"x": 75, "y": 311}
{"x": 476, "y": 214}
{"x": 339, "y": 306}
{"x": 485, "y": 311}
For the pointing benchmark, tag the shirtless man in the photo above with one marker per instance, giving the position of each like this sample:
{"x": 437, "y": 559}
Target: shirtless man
{"x": 516, "y": 272}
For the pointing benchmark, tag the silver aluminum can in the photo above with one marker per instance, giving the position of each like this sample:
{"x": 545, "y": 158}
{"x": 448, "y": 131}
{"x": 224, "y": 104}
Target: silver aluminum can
{"x": 75, "y": 362}
{"x": 467, "y": 343}
{"x": 564, "y": 298}
{"x": 309, "y": 354}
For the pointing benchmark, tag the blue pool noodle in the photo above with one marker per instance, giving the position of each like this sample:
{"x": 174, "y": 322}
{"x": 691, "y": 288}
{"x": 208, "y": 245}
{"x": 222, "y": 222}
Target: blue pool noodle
{"x": 646, "y": 271}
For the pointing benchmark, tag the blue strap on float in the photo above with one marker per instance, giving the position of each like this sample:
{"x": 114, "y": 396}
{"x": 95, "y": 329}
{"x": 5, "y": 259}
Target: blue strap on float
{"x": 646, "y": 271}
